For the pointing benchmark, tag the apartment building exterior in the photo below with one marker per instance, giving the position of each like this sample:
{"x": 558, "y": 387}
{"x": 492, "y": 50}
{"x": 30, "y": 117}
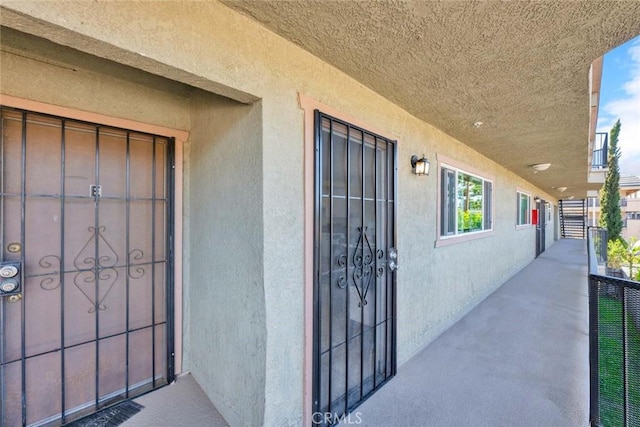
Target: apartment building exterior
{"x": 238, "y": 189}
{"x": 629, "y": 207}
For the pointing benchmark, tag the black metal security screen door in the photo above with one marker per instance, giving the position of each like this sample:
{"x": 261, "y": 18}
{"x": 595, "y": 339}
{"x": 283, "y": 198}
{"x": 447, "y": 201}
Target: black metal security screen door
{"x": 86, "y": 218}
{"x": 354, "y": 307}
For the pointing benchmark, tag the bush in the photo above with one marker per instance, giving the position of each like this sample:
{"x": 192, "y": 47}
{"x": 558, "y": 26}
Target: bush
{"x": 622, "y": 253}
{"x": 469, "y": 220}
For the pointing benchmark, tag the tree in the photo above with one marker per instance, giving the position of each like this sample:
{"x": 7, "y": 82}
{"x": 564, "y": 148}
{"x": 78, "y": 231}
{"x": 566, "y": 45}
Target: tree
{"x": 624, "y": 254}
{"x": 610, "y": 216}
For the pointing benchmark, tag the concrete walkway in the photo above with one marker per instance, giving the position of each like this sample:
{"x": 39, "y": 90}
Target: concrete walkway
{"x": 520, "y": 358}
{"x": 181, "y": 404}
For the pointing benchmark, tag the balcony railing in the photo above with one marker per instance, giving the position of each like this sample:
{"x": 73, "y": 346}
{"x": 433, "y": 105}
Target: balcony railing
{"x": 623, "y": 202}
{"x": 600, "y": 151}
{"x": 614, "y": 340}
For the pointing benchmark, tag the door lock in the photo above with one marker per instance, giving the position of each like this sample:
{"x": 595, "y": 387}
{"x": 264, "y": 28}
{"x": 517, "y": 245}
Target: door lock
{"x": 8, "y": 271}
{"x": 10, "y": 278}
{"x": 393, "y": 259}
{"x": 8, "y": 286}
{"x": 15, "y": 297}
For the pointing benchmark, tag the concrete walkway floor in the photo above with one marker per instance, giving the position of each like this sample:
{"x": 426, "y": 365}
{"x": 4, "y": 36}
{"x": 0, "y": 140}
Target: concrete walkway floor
{"x": 181, "y": 404}
{"x": 519, "y": 358}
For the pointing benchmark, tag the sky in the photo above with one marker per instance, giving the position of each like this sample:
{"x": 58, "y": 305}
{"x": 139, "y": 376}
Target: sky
{"x": 620, "y": 99}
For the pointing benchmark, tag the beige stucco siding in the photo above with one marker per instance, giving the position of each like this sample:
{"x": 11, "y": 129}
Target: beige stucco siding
{"x": 246, "y": 195}
{"x": 31, "y": 78}
{"x": 633, "y": 225}
{"x": 225, "y": 300}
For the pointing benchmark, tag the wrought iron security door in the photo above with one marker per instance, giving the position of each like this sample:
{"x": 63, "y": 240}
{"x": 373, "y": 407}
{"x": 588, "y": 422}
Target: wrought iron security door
{"x": 355, "y": 260}
{"x": 85, "y": 216}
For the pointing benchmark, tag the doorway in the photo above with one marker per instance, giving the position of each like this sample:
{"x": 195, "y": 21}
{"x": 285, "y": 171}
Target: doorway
{"x": 355, "y": 262}
{"x": 86, "y": 214}
{"x": 541, "y": 226}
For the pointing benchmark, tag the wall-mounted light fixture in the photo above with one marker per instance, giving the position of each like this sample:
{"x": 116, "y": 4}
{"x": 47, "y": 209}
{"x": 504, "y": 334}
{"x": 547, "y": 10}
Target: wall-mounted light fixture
{"x": 537, "y": 199}
{"x": 420, "y": 166}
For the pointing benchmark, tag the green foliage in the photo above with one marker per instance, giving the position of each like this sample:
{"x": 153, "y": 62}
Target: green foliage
{"x": 611, "y": 362}
{"x": 615, "y": 253}
{"x": 469, "y": 220}
{"x": 611, "y": 217}
{"x": 470, "y": 201}
{"x": 622, "y": 253}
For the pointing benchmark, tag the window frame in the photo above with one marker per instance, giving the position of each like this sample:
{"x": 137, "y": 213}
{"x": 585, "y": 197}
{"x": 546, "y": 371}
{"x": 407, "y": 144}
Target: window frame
{"x": 446, "y": 164}
{"x": 528, "y": 224}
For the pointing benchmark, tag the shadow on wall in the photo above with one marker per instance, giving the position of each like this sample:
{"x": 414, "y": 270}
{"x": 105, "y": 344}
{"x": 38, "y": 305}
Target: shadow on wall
{"x": 226, "y": 302}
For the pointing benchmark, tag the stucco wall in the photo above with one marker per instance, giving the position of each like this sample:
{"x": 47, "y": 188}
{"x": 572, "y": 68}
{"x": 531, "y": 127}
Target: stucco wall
{"x": 436, "y": 286}
{"x": 28, "y": 72}
{"x": 225, "y": 301}
{"x": 632, "y": 229}
{"x": 551, "y": 225}
{"x": 633, "y": 225}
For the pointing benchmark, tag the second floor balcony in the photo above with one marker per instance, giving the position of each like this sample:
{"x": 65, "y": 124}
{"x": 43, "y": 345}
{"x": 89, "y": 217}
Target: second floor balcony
{"x": 600, "y": 151}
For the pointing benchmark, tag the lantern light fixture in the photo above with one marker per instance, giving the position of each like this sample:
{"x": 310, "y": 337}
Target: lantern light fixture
{"x": 420, "y": 166}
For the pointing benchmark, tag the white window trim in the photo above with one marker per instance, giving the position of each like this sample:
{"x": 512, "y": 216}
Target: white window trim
{"x": 449, "y": 163}
{"x": 528, "y": 194}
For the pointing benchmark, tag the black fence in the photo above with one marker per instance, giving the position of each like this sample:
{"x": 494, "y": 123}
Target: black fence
{"x": 614, "y": 337}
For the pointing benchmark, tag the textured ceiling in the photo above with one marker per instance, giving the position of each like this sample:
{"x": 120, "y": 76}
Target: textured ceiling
{"x": 520, "y": 67}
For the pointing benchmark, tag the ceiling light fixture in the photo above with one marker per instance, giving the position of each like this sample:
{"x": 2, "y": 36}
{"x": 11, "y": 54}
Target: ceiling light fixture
{"x": 540, "y": 167}
{"x": 561, "y": 189}
{"x": 477, "y": 124}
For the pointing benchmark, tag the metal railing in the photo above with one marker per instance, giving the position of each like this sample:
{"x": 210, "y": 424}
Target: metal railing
{"x": 614, "y": 340}
{"x": 623, "y": 202}
{"x": 600, "y": 151}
